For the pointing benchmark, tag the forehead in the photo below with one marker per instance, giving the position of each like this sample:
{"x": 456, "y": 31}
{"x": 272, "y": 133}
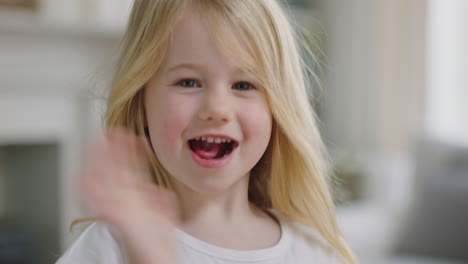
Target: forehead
{"x": 195, "y": 40}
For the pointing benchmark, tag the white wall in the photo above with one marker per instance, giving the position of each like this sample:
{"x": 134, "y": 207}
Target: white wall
{"x": 373, "y": 109}
{"x": 373, "y": 103}
{"x": 110, "y": 12}
{"x": 47, "y": 92}
{"x": 447, "y": 65}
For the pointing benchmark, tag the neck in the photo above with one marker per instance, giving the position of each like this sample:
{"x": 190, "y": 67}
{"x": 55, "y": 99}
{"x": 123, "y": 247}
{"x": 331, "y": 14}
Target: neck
{"x": 214, "y": 217}
{"x": 227, "y": 206}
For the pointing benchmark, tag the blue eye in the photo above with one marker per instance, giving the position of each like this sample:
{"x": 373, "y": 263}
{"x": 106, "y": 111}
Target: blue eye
{"x": 243, "y": 86}
{"x": 188, "y": 83}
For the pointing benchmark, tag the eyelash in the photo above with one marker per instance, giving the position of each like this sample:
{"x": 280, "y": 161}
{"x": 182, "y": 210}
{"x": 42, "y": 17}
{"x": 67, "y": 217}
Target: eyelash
{"x": 180, "y": 83}
{"x": 194, "y": 83}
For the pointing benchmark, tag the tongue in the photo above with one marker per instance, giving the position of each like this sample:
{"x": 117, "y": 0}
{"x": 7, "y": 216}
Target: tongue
{"x": 208, "y": 150}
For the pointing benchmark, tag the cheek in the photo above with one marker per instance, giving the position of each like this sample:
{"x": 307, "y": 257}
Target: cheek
{"x": 167, "y": 121}
{"x": 258, "y": 122}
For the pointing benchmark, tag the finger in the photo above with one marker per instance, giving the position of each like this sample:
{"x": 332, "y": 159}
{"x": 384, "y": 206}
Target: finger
{"x": 142, "y": 150}
{"x": 128, "y": 150}
{"x": 89, "y": 194}
{"x": 135, "y": 157}
{"x": 121, "y": 141}
{"x": 101, "y": 163}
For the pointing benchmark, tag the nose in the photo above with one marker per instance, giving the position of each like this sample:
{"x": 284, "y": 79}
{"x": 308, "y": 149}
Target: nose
{"x": 216, "y": 106}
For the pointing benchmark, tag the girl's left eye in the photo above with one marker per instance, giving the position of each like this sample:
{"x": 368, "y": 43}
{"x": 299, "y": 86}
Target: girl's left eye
{"x": 243, "y": 86}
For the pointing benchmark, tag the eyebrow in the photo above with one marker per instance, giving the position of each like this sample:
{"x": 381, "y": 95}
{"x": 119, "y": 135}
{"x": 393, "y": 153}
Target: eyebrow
{"x": 185, "y": 65}
{"x": 194, "y": 66}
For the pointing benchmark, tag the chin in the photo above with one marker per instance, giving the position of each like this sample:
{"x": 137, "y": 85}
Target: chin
{"x": 214, "y": 185}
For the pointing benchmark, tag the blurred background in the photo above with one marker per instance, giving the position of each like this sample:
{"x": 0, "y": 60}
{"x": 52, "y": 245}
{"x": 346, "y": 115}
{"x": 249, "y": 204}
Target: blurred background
{"x": 393, "y": 107}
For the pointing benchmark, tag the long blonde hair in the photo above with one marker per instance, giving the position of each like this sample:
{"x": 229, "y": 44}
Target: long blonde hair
{"x": 291, "y": 177}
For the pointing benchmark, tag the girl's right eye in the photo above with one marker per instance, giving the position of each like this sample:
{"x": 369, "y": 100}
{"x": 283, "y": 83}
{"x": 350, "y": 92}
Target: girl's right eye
{"x": 188, "y": 83}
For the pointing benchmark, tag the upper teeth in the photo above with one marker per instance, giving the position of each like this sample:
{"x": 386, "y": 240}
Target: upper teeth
{"x": 214, "y": 139}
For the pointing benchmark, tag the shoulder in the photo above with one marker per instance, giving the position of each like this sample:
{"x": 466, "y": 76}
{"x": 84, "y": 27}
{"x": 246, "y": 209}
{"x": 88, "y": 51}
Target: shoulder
{"x": 308, "y": 244}
{"x": 97, "y": 244}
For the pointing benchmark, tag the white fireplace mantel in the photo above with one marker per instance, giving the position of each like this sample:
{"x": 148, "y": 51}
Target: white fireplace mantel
{"x": 49, "y": 75}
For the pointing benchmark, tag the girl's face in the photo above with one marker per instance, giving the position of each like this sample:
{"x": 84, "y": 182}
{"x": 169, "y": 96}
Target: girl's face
{"x": 208, "y": 119}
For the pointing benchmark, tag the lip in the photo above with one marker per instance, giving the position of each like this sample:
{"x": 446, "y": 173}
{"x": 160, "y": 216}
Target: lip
{"x": 212, "y": 163}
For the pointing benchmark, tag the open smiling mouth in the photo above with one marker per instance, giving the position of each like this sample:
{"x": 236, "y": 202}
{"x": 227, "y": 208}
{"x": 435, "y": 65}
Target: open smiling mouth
{"x": 210, "y": 148}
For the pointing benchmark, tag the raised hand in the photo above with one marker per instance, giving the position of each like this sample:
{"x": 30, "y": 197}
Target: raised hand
{"x": 116, "y": 187}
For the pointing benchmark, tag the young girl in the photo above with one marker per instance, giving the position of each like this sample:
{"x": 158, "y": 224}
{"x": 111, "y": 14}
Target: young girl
{"x": 212, "y": 152}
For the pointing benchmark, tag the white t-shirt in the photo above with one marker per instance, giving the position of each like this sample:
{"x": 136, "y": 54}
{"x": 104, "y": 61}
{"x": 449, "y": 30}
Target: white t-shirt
{"x": 298, "y": 245}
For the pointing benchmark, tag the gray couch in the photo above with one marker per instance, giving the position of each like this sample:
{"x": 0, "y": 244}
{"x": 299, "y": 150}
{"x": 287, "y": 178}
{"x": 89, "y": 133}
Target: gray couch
{"x": 436, "y": 227}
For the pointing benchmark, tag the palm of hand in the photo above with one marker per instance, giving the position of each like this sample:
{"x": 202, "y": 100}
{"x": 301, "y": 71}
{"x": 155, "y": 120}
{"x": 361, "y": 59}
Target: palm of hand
{"x": 116, "y": 186}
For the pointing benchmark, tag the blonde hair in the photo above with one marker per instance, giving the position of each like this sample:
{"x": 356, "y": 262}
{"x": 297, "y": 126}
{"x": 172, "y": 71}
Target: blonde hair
{"x": 291, "y": 177}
